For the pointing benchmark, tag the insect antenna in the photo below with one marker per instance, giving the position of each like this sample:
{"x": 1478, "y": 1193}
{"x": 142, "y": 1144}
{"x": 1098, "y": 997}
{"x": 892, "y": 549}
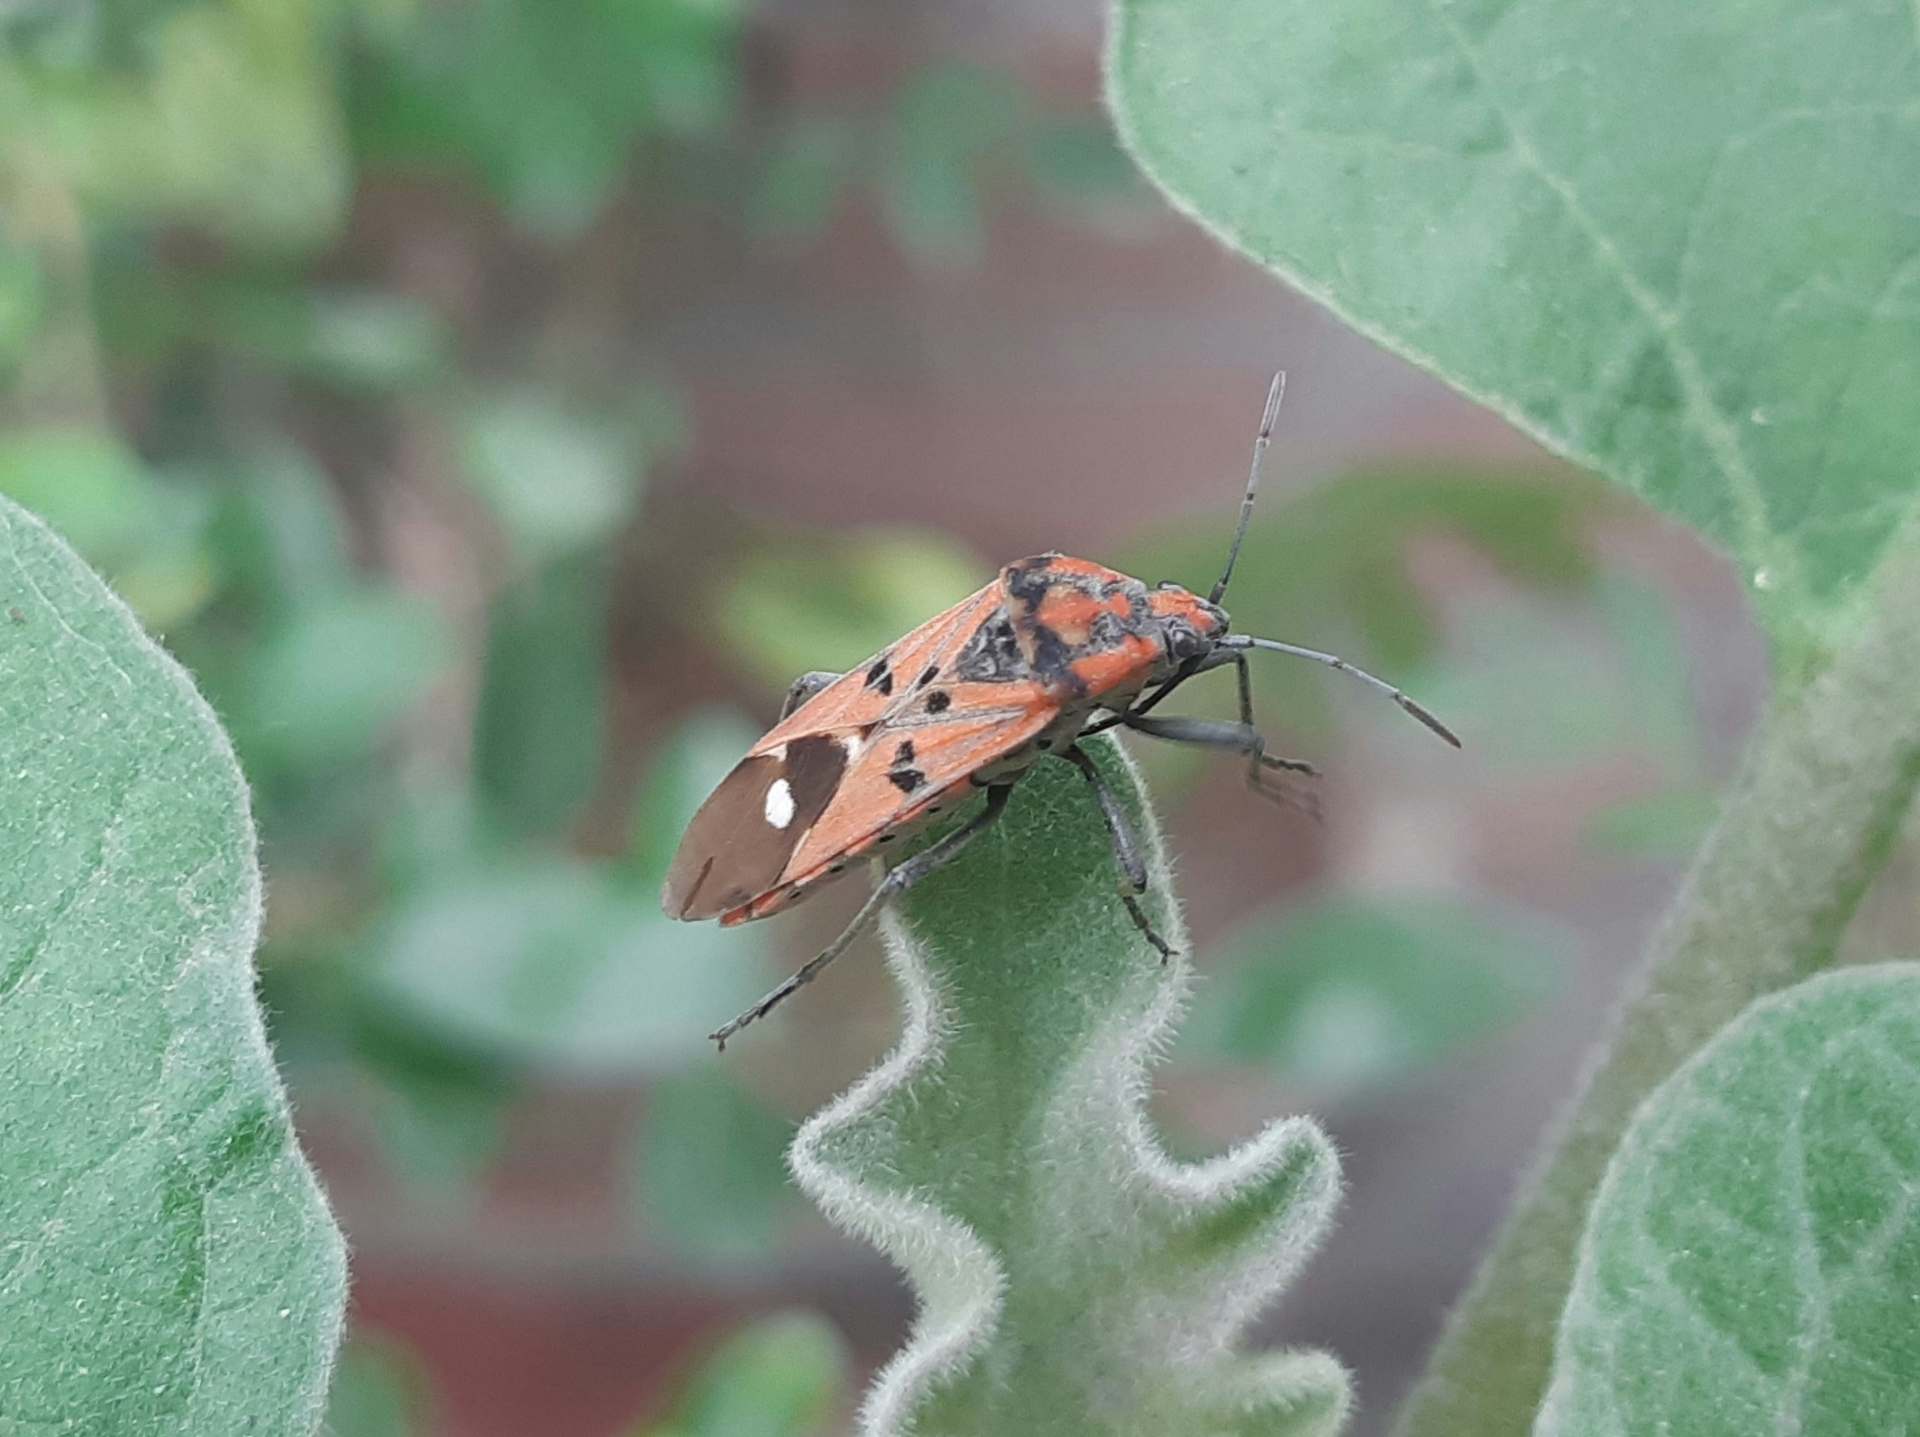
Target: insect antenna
{"x": 1334, "y": 661}
{"x": 1265, "y": 437}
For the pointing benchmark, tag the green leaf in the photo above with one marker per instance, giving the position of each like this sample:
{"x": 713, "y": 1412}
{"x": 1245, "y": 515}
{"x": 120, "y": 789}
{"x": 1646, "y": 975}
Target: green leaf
{"x": 1753, "y": 1254}
{"x": 1072, "y": 1277}
{"x": 562, "y": 965}
{"x": 159, "y": 138}
{"x": 807, "y": 171}
{"x": 326, "y": 683}
{"x": 720, "y": 1201}
{"x": 557, "y": 481}
{"x": 1350, "y": 991}
{"x": 168, "y": 1264}
{"x": 541, "y": 718}
{"x": 1673, "y": 242}
{"x": 379, "y": 1390}
{"x": 1340, "y": 552}
{"x": 23, "y": 303}
{"x": 829, "y": 600}
{"x": 778, "y": 1377}
{"x": 87, "y": 485}
{"x": 1813, "y": 815}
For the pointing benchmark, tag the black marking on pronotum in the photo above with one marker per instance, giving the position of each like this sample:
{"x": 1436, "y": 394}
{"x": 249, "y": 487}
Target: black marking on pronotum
{"x": 733, "y": 852}
{"x": 992, "y": 655}
{"x": 939, "y": 701}
{"x": 905, "y": 752}
{"x": 906, "y": 779}
{"x": 880, "y": 676}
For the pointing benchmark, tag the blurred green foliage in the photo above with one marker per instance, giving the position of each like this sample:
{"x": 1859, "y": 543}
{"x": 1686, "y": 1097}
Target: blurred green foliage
{"x": 378, "y": 1391}
{"x": 781, "y": 1376}
{"x": 388, "y": 519}
{"x": 1350, "y": 992}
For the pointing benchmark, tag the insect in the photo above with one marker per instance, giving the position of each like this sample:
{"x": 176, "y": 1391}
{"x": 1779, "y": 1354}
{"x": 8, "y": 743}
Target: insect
{"x": 1052, "y": 650}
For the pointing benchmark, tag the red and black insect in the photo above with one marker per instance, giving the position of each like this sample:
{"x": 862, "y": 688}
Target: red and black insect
{"x": 1052, "y": 650}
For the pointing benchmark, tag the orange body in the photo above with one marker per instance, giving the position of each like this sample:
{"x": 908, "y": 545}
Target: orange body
{"x": 974, "y": 695}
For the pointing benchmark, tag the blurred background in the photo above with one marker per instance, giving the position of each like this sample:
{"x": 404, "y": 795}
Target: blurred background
{"x": 496, "y": 402}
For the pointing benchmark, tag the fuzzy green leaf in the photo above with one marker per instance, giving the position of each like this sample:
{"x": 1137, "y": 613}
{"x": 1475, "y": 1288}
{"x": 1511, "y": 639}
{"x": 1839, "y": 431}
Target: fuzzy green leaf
{"x": 167, "y": 1263}
{"x": 1753, "y": 1255}
{"x": 1674, "y": 242}
{"x": 1072, "y": 1278}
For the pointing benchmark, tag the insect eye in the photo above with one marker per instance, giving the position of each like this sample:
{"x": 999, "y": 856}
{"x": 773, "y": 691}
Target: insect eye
{"x": 1184, "y": 643}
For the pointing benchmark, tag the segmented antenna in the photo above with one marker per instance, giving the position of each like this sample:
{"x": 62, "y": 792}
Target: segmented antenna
{"x": 1334, "y": 661}
{"x": 1264, "y": 438}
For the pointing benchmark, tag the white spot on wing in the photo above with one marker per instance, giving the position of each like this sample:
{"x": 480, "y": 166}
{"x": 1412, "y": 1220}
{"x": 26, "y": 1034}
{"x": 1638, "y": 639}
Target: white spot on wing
{"x": 779, "y": 808}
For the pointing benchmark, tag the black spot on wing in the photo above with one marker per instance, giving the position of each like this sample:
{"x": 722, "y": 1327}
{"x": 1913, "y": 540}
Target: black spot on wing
{"x": 906, "y": 779}
{"x": 904, "y": 754}
{"x": 927, "y": 676}
{"x": 939, "y": 701}
{"x": 880, "y": 676}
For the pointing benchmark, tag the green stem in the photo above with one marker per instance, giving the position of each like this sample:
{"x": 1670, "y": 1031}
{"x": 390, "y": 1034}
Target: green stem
{"x": 1810, "y": 820}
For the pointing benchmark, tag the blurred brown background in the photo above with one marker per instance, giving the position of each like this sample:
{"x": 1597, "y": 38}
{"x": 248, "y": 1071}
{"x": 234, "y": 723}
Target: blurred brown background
{"x": 501, "y": 414}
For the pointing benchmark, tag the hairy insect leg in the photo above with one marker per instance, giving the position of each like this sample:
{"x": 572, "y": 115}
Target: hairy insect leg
{"x": 1126, "y": 848}
{"x": 928, "y": 861}
{"x": 1241, "y": 738}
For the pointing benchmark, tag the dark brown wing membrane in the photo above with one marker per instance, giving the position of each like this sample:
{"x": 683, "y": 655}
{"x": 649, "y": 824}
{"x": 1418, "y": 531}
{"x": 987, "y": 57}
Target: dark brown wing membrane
{"x": 744, "y": 836}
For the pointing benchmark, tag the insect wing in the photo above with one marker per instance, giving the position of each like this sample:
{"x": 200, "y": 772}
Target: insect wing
{"x": 742, "y": 842}
{"x": 905, "y": 771}
{"x": 885, "y": 683}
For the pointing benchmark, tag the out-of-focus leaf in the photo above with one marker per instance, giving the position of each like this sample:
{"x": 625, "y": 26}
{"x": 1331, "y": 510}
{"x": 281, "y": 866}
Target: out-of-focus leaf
{"x": 541, "y": 717}
{"x": 805, "y": 175}
{"x": 160, "y": 137}
{"x": 326, "y": 683}
{"x": 1651, "y": 664}
{"x": 1342, "y": 549}
{"x": 1353, "y": 991}
{"x": 1667, "y": 825}
{"x": 545, "y": 103}
{"x": 280, "y": 532}
{"x": 571, "y": 965}
{"x": 946, "y": 120}
{"x": 689, "y": 766}
{"x": 555, "y": 480}
{"x": 370, "y": 339}
{"x": 1078, "y": 163}
{"x": 22, "y": 303}
{"x": 1523, "y": 671}
{"x": 782, "y": 1376}
{"x": 440, "y": 1135}
{"x": 557, "y": 965}
{"x": 87, "y": 485}
{"x": 826, "y": 601}
{"x": 379, "y": 1390}
{"x": 708, "y": 1174}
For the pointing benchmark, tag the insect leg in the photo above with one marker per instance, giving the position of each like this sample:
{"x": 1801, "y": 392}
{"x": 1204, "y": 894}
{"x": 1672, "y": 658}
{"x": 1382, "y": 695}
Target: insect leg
{"x": 927, "y": 861}
{"x": 1126, "y": 848}
{"x": 1241, "y": 738}
{"x": 1260, "y": 762}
